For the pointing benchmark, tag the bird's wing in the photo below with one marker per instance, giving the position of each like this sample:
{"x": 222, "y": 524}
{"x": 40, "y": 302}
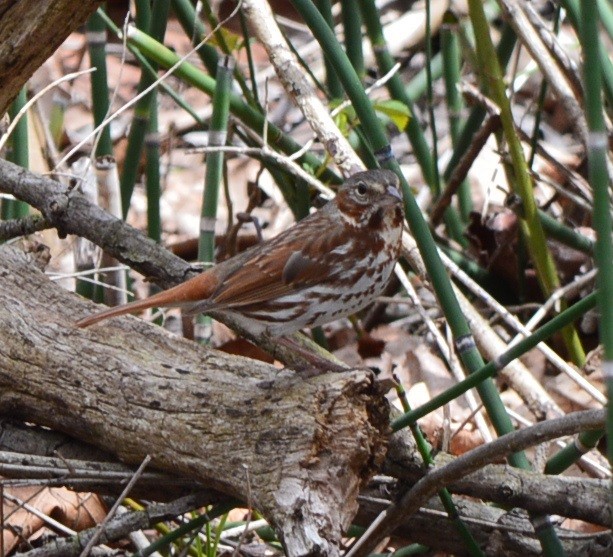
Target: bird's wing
{"x": 288, "y": 264}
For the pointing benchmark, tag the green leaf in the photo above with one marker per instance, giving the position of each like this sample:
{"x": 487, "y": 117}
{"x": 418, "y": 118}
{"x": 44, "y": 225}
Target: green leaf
{"x": 396, "y": 111}
{"x": 232, "y": 40}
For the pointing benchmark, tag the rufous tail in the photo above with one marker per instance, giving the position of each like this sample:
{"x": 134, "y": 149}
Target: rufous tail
{"x": 196, "y": 289}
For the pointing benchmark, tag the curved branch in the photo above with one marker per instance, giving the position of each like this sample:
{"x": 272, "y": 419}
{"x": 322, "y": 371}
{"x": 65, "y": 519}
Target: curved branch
{"x": 471, "y": 461}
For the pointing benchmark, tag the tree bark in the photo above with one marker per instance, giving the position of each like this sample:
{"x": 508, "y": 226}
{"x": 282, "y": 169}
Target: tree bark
{"x": 296, "y": 449}
{"x": 30, "y": 32}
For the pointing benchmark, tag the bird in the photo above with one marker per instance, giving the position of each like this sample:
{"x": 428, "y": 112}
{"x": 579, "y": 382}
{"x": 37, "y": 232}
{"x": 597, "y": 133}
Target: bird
{"x": 328, "y": 265}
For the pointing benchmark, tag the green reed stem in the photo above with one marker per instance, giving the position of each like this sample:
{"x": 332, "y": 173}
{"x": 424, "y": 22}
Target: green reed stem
{"x": 477, "y": 114}
{"x": 425, "y": 450}
{"x": 193, "y": 525}
{"x": 573, "y": 10}
{"x": 18, "y": 152}
{"x": 385, "y": 62}
{"x": 335, "y": 89}
{"x": 598, "y": 147}
{"x": 152, "y": 172}
{"x": 352, "y": 25}
{"x": 96, "y": 44}
{"x": 225, "y": 48}
{"x": 194, "y": 28}
{"x": 215, "y": 161}
{"x": 453, "y": 222}
{"x": 156, "y": 21}
{"x": 566, "y": 457}
{"x": 146, "y": 66}
{"x": 430, "y": 96}
{"x": 452, "y": 59}
{"x": 489, "y": 370}
{"x": 518, "y": 173}
{"x": 419, "y": 82}
{"x": 250, "y": 61}
{"x": 541, "y": 100}
{"x": 249, "y": 116}
{"x": 568, "y": 236}
{"x": 606, "y": 16}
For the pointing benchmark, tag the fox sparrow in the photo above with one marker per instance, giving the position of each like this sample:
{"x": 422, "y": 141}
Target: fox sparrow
{"x": 329, "y": 265}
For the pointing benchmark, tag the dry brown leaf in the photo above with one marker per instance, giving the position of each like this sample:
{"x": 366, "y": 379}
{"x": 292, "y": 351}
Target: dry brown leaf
{"x": 76, "y": 511}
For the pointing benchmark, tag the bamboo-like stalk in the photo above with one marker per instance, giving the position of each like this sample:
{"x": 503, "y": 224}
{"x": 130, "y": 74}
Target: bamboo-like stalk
{"x": 606, "y": 16}
{"x": 249, "y": 116}
{"x": 541, "y": 101}
{"x": 194, "y": 525}
{"x": 385, "y": 62}
{"x": 566, "y": 457}
{"x": 156, "y": 27}
{"x": 425, "y": 450}
{"x": 478, "y": 113}
{"x": 573, "y": 10}
{"x": 519, "y": 176}
{"x": 294, "y": 191}
{"x": 215, "y": 160}
{"x": 96, "y": 43}
{"x": 19, "y": 153}
{"x": 335, "y": 89}
{"x": 451, "y": 56}
{"x": 220, "y": 38}
{"x": 352, "y": 25}
{"x": 194, "y": 28}
{"x": 152, "y": 172}
{"x": 490, "y": 369}
{"x": 419, "y": 83}
{"x": 146, "y": 66}
{"x": 565, "y": 234}
{"x": 250, "y": 61}
{"x": 436, "y": 184}
{"x": 601, "y": 183}
{"x": 218, "y": 131}
{"x": 453, "y": 221}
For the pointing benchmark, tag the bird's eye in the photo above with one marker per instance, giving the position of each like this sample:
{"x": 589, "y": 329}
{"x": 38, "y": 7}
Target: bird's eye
{"x": 361, "y": 189}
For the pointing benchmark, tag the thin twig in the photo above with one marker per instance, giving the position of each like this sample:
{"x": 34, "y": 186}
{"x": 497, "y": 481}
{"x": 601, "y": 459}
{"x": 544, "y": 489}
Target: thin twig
{"x": 265, "y": 152}
{"x": 38, "y": 95}
{"x": 100, "y": 528}
{"x": 24, "y": 226}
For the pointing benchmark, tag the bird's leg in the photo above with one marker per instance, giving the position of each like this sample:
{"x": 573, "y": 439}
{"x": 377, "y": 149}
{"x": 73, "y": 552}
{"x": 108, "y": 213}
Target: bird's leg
{"x": 302, "y": 354}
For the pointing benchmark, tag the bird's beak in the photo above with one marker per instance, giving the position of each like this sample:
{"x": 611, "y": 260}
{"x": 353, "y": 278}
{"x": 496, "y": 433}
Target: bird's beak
{"x": 394, "y": 192}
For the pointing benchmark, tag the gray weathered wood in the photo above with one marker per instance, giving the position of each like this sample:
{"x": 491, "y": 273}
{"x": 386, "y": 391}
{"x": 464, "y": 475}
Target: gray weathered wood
{"x": 30, "y": 32}
{"x": 297, "y": 448}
